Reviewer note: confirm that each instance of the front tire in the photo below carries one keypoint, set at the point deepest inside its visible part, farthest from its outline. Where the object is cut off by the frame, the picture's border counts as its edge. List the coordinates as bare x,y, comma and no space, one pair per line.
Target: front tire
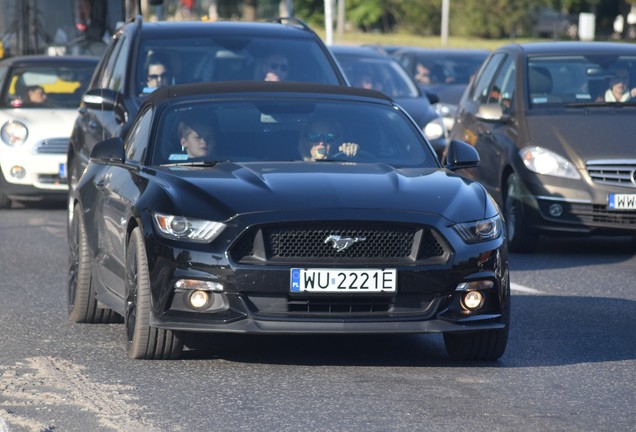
81,299
487,345
144,341
521,238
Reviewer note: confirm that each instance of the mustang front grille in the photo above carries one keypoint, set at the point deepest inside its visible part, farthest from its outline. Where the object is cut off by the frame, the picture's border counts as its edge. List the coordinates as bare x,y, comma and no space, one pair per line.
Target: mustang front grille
613,172
341,243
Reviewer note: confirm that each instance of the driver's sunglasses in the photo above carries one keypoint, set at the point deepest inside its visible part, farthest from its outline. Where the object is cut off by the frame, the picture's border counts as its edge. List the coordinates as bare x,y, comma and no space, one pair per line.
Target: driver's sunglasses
276,66
316,137
163,76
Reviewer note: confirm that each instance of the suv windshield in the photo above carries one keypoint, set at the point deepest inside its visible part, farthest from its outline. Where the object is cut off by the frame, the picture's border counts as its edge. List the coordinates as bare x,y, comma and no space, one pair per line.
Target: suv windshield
190,60
578,79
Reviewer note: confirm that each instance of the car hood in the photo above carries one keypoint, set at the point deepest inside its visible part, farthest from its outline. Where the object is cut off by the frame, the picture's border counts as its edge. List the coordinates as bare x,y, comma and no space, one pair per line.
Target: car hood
447,93
600,133
288,186
41,122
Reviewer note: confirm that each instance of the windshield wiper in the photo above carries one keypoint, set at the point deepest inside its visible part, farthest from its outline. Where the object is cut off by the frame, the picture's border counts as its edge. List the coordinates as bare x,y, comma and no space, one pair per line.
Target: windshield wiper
601,104
204,163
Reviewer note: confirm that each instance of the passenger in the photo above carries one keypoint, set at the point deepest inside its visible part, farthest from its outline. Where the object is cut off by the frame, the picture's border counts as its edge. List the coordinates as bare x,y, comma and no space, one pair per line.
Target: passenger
619,90
317,139
422,74
35,95
196,138
275,68
157,74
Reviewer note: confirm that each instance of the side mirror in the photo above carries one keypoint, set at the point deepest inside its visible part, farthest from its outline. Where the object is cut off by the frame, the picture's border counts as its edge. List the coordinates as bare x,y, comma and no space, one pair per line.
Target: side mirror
491,112
460,155
101,99
108,151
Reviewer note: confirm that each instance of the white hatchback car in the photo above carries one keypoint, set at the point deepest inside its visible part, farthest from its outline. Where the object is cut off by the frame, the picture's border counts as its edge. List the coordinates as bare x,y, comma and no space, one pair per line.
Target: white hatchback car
39,99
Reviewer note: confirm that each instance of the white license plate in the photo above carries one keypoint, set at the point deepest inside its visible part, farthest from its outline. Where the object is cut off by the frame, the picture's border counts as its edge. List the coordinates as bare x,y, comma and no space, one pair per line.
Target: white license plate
349,281
622,201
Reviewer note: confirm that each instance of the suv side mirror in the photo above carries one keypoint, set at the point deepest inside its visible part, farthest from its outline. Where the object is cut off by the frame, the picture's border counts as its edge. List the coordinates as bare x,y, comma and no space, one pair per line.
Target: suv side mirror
100,99
108,151
460,155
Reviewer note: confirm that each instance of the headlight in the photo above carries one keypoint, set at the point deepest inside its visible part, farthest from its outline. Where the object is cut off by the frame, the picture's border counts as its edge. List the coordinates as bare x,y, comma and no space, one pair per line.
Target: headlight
544,161
14,133
189,229
434,129
479,231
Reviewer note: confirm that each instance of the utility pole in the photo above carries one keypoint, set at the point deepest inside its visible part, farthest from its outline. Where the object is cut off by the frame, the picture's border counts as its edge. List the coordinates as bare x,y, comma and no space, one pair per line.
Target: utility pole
445,13
328,22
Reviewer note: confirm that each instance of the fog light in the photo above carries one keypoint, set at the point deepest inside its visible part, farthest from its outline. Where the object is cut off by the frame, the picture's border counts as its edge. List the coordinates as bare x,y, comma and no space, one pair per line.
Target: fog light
199,299
17,172
473,300
555,210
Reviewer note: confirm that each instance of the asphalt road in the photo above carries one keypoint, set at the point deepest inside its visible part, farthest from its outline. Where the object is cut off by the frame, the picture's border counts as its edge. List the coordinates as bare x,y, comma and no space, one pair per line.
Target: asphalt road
570,363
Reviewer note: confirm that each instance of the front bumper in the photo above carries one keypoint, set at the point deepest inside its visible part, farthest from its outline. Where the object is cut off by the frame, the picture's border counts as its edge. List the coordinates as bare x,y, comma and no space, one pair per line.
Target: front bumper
41,168
257,299
576,206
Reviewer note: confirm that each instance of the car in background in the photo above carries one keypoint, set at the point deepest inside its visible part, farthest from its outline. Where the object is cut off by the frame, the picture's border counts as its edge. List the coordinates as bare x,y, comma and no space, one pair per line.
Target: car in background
557,152
366,68
445,72
34,131
553,24
194,51
256,238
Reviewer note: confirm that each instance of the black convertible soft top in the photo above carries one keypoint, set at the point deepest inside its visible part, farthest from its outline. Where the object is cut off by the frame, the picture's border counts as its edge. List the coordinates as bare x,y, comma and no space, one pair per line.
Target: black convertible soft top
198,89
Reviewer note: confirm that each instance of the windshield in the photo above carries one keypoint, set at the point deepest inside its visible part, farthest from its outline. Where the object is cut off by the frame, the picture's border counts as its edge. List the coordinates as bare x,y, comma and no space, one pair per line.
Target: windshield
47,85
577,79
235,58
378,74
289,130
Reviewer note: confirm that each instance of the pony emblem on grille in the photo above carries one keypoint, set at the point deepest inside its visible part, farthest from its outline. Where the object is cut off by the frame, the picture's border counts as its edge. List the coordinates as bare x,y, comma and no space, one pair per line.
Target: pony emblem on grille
341,243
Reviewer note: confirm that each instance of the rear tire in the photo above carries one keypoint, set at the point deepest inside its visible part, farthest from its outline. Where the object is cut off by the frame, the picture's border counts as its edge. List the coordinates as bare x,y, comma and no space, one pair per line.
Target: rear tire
81,299
144,341
521,238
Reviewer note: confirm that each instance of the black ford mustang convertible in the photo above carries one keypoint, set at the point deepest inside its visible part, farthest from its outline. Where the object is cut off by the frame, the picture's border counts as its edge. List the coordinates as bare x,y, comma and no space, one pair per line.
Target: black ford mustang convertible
282,208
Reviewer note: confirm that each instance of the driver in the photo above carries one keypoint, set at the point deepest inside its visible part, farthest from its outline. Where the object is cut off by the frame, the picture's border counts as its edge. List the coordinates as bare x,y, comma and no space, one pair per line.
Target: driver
317,139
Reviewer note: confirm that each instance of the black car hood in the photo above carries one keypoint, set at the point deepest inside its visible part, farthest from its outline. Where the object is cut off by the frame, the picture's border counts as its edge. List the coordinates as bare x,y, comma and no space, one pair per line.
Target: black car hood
447,93
235,188
600,133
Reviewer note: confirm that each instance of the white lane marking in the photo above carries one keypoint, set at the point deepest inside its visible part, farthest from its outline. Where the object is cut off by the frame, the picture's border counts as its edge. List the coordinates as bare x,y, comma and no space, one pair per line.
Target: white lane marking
524,289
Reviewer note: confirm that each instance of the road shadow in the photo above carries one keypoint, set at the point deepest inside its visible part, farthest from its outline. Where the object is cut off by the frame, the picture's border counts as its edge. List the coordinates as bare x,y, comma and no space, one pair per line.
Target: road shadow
545,331
569,252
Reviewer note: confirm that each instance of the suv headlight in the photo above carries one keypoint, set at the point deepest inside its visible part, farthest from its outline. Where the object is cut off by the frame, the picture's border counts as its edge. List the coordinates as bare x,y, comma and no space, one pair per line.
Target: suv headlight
14,133
546,162
184,228
434,129
479,231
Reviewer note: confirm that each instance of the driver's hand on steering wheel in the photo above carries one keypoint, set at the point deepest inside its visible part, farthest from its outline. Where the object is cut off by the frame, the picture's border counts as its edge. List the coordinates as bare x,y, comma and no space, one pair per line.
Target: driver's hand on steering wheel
349,149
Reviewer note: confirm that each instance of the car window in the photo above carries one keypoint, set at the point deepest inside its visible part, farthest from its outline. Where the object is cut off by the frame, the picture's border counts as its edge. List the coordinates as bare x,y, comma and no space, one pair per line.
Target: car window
273,130
191,60
480,91
117,79
55,85
109,62
502,89
137,140
554,81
